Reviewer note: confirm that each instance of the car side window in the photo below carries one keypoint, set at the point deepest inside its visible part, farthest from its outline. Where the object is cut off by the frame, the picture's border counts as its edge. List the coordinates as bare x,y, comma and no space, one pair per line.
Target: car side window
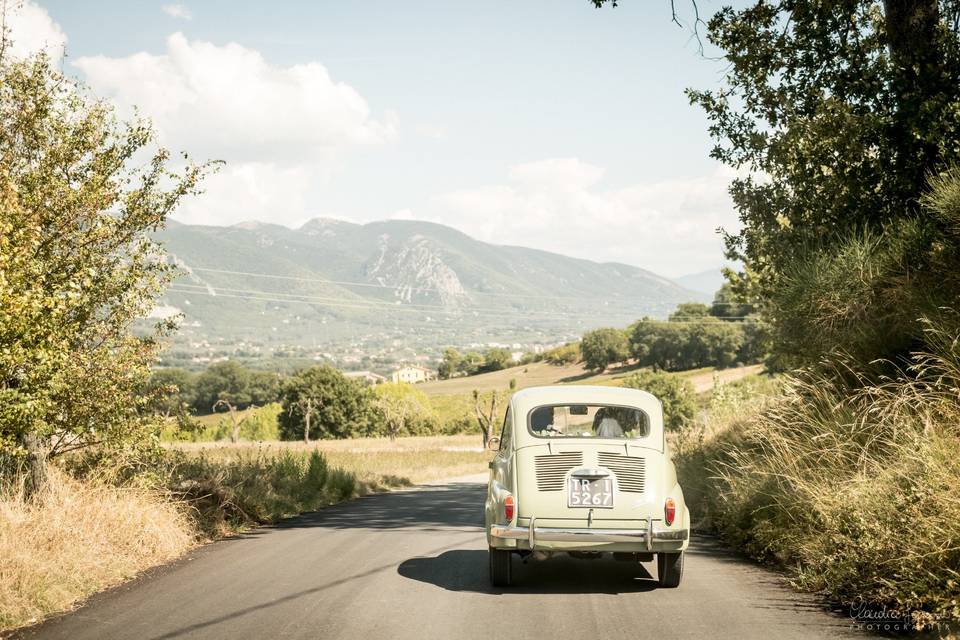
506,432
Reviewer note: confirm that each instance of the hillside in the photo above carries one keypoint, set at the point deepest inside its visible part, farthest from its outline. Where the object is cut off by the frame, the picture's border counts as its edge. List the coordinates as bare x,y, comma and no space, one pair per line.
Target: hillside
363,295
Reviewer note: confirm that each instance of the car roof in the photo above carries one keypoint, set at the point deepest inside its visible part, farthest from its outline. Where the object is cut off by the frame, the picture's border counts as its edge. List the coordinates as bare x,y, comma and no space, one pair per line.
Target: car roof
585,394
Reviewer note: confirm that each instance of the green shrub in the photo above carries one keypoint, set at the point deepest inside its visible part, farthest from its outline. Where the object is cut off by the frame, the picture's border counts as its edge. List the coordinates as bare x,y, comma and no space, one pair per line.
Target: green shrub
849,481
567,354
675,394
256,488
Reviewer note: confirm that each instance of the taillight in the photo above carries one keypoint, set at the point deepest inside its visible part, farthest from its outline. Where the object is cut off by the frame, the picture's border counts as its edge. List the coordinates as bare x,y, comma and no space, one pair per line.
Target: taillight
669,511
509,507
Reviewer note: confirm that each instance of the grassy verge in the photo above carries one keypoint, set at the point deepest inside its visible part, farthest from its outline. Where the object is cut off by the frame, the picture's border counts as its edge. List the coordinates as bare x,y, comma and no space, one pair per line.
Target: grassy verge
850,485
82,536
79,538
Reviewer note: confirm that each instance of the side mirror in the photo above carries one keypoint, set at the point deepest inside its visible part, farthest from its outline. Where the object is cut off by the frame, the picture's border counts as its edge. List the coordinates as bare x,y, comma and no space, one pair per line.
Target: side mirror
493,444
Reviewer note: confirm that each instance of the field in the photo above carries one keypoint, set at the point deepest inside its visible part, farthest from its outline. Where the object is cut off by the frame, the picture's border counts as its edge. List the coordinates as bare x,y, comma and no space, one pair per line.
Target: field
403,461
453,399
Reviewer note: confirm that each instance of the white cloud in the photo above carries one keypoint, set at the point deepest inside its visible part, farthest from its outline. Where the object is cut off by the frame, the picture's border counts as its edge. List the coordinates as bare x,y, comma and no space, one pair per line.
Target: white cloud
282,130
253,191
177,11
558,204
227,102
33,30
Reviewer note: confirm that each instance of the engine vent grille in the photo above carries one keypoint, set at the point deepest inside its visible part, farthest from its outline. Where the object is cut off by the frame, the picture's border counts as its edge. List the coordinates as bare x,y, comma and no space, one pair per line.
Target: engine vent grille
629,470
552,469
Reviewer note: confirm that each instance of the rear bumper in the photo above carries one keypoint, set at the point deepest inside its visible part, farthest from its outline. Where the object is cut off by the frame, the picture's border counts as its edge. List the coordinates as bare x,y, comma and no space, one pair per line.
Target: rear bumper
532,537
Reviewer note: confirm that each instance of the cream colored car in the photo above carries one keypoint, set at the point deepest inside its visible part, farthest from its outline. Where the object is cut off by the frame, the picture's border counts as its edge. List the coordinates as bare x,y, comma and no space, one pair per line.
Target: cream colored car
585,470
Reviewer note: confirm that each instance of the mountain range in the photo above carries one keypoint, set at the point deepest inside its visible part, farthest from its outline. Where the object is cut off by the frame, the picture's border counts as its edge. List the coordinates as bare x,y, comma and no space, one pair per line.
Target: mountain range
338,287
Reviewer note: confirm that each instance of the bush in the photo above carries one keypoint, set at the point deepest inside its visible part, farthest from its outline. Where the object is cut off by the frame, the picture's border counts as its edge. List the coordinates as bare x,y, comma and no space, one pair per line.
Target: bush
338,406
675,394
567,354
256,488
603,347
850,481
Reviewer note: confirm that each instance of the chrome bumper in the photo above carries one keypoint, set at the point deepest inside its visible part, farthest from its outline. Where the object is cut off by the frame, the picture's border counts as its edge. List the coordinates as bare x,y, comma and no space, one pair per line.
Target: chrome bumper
534,534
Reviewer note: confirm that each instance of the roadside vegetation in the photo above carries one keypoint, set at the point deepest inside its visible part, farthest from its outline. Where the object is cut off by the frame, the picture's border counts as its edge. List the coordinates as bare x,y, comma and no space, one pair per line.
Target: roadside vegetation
842,120
88,495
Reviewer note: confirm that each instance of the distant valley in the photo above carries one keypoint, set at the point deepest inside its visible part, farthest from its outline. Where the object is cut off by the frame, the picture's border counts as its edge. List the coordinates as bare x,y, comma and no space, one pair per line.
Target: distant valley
365,296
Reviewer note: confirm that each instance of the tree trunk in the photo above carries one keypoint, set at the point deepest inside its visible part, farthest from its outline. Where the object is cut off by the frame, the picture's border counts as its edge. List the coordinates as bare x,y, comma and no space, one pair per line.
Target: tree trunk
306,421
920,81
36,464
235,432
911,29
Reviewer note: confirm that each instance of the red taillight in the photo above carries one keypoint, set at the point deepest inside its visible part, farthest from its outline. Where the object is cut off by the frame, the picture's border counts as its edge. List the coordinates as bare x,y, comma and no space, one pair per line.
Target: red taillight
669,511
508,507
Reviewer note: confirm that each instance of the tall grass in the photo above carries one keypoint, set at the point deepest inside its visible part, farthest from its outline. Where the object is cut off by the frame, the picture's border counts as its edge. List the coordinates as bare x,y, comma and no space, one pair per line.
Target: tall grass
78,538
852,483
257,486
97,524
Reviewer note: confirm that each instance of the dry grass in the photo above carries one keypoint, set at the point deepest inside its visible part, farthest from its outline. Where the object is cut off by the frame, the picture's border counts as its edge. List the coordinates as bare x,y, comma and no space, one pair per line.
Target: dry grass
416,459
849,482
78,539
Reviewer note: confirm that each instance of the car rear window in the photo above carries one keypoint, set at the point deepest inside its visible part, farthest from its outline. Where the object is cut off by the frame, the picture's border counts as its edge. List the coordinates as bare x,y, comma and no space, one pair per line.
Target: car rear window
588,421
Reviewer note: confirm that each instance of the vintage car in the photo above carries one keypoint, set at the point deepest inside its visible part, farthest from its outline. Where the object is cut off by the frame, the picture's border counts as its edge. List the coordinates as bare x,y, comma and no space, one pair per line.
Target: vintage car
585,470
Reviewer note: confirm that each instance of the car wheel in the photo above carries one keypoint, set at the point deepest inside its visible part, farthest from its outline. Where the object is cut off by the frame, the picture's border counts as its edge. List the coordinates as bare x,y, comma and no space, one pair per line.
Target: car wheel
501,574
670,569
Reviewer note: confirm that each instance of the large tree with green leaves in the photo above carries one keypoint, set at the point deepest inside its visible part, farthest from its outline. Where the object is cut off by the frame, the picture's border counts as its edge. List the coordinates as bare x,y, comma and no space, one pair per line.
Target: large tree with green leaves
80,195
603,347
837,113
338,407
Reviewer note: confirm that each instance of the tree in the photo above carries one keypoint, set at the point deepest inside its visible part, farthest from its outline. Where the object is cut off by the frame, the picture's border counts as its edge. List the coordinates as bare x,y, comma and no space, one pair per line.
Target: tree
689,311
471,363
171,390
334,405
836,114
728,305
236,421
485,409
80,196
496,359
675,394
603,347
567,354
228,380
450,364
404,409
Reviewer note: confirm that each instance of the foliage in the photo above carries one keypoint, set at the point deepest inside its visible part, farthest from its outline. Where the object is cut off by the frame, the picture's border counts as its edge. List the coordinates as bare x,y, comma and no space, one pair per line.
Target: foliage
259,488
827,478
404,410
603,347
496,359
674,393
566,354
689,312
449,364
836,114
729,305
471,363
78,202
343,408
236,384
676,346
865,293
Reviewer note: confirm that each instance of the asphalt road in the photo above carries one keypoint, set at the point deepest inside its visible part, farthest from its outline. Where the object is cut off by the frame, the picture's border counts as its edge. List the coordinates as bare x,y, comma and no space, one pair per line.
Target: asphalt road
413,564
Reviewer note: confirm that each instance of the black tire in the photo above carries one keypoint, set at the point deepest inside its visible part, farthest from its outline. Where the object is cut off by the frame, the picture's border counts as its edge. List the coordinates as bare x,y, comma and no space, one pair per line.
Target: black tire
670,569
501,573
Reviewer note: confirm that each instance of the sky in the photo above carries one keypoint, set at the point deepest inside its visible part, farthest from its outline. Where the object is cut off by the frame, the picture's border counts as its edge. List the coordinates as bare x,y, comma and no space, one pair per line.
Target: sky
545,123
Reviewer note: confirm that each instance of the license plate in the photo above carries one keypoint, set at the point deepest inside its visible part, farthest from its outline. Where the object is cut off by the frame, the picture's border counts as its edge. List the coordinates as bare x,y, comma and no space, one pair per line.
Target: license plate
593,493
